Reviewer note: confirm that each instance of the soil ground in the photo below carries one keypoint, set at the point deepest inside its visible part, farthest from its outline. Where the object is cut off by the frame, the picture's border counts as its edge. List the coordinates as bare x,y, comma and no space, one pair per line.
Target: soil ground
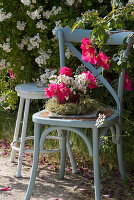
49,187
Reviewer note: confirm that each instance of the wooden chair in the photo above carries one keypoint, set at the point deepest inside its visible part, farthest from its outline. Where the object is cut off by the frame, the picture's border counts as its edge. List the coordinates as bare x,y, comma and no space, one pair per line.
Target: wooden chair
112,122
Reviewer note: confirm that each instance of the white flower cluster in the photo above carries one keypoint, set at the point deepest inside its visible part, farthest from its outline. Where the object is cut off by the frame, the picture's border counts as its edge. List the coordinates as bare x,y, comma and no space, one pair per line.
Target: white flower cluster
41,25
47,14
31,43
69,81
81,68
3,64
100,120
81,83
58,25
70,2
24,42
3,15
76,83
47,75
21,25
41,60
100,1
34,42
2,98
22,67
6,46
68,53
26,2
45,78
35,14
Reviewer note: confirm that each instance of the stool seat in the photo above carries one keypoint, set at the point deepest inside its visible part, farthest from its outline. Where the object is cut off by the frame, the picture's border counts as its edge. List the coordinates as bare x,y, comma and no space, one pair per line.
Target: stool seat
31,91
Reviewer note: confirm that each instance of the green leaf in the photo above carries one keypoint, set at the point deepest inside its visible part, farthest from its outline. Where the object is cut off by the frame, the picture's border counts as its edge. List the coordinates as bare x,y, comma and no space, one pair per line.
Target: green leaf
75,25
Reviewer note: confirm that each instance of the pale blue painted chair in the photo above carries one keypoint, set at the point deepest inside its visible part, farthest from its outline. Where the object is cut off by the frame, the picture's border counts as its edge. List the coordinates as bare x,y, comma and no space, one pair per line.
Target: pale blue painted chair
113,122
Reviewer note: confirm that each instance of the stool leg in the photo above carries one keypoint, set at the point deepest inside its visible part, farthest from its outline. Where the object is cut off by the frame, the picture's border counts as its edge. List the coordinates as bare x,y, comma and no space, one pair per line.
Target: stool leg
37,132
70,154
17,127
63,153
23,134
96,164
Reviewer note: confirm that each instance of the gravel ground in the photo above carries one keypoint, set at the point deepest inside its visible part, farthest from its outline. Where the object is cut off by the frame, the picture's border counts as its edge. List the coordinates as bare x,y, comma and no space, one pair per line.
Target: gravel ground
47,186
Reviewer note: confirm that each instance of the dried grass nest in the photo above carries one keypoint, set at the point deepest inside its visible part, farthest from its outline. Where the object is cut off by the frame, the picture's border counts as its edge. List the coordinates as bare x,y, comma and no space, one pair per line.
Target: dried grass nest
83,107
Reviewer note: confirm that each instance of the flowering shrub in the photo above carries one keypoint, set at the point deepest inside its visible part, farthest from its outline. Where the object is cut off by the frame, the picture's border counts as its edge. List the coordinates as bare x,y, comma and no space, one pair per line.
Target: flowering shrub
28,44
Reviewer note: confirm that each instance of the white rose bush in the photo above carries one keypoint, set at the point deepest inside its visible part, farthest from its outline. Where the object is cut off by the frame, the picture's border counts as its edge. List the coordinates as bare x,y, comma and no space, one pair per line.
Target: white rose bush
28,43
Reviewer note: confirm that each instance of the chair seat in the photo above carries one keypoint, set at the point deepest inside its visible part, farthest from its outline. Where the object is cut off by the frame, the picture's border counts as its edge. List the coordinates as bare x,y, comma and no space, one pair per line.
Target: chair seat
30,91
42,117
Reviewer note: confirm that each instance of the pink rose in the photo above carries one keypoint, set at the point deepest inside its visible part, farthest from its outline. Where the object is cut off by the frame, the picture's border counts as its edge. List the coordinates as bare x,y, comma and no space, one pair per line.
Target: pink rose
11,75
102,60
63,91
65,70
52,90
85,44
90,78
89,55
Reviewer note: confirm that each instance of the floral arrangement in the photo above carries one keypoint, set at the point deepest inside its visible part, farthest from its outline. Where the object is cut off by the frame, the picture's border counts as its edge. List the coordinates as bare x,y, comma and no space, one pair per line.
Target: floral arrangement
69,92
65,84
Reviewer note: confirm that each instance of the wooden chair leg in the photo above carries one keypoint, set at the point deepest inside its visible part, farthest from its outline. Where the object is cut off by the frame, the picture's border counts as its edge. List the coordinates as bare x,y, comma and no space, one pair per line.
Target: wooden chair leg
70,154
63,153
120,150
37,132
96,164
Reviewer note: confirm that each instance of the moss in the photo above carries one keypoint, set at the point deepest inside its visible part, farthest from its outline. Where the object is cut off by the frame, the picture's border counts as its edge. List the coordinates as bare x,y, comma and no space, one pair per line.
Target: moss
84,106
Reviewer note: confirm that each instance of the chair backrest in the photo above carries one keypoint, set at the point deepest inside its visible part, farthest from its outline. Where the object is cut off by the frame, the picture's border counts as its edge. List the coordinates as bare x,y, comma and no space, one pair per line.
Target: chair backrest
67,37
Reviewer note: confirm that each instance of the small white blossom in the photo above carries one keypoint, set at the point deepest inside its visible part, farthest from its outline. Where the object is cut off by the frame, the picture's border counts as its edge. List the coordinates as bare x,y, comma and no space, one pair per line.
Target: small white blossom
100,1
41,59
33,1
34,42
48,75
21,25
47,14
34,15
58,25
70,2
6,47
41,25
3,15
3,64
22,67
68,53
26,2
8,40
2,98
100,120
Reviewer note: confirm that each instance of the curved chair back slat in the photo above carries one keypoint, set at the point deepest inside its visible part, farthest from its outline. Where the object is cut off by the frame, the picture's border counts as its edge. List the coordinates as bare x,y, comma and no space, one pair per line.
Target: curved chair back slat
66,37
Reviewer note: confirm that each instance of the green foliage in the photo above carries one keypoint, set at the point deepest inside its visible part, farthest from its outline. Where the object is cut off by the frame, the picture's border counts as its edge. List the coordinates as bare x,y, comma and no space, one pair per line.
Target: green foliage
118,19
